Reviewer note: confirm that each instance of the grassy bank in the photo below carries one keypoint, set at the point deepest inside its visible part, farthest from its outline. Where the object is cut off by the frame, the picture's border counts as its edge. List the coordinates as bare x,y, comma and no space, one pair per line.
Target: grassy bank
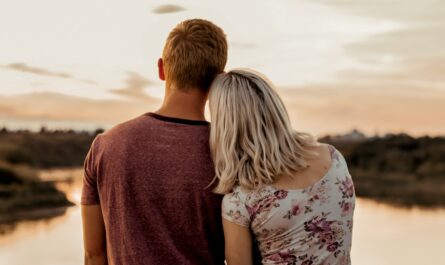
22,154
45,149
23,195
397,169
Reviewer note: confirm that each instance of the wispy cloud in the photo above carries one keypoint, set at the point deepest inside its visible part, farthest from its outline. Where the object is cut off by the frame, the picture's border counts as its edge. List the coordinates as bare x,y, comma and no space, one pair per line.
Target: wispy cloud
318,109
22,67
165,9
25,68
334,108
51,106
134,87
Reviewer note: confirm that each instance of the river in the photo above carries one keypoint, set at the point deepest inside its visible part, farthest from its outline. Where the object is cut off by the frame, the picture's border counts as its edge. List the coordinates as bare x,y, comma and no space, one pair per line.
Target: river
383,235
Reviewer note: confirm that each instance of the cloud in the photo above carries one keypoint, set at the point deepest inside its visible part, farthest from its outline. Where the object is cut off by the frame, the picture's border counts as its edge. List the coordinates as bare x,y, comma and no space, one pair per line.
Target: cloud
51,106
404,57
338,108
318,108
165,9
134,87
24,68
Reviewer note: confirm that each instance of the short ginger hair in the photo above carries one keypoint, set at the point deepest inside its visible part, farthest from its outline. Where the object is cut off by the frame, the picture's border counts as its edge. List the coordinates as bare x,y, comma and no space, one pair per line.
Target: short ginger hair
194,53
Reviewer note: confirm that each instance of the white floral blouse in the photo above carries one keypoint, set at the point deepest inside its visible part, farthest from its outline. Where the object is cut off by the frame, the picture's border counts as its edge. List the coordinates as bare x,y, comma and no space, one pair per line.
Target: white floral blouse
305,226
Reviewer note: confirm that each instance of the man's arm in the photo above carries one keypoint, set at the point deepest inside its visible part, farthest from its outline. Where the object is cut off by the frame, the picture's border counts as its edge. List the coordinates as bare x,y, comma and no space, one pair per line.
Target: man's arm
94,235
238,244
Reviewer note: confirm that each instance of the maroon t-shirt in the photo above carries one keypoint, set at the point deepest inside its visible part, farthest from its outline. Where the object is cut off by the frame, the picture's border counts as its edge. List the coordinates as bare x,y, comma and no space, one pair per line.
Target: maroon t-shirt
150,177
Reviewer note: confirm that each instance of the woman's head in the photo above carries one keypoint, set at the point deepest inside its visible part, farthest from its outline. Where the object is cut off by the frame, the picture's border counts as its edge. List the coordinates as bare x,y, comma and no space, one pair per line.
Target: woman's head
252,141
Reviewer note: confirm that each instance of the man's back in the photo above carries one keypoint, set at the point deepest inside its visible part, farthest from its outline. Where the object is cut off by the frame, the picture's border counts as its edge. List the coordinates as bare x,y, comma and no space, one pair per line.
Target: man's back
150,176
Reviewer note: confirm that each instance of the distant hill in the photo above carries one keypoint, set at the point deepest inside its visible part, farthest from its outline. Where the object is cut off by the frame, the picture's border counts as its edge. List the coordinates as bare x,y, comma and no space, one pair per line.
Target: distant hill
21,192
397,169
22,153
45,149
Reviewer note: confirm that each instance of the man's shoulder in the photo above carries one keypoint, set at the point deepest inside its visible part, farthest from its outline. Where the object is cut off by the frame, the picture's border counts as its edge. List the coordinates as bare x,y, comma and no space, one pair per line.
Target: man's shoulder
125,131
131,126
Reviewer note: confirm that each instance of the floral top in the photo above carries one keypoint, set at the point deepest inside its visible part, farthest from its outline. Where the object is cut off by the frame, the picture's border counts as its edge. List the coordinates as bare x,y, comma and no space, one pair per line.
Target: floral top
305,226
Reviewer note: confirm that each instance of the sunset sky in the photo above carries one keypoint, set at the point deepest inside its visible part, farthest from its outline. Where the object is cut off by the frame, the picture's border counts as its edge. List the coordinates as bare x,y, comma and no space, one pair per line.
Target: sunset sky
378,66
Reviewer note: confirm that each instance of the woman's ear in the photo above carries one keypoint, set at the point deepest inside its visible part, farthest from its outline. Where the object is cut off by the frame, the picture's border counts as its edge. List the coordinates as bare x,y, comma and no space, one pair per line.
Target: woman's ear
161,69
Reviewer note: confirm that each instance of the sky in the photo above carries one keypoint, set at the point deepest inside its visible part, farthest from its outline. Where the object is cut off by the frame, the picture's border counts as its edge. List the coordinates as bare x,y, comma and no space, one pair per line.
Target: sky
377,66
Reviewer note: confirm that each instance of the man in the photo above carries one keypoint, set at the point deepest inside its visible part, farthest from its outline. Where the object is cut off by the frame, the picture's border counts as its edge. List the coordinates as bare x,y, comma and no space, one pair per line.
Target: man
146,197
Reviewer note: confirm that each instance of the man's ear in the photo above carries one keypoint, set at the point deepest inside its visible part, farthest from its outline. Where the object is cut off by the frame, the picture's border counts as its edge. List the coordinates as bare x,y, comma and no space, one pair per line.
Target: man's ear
161,69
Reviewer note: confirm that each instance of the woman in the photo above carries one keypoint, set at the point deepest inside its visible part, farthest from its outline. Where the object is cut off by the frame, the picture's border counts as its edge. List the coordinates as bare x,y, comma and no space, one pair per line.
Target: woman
292,193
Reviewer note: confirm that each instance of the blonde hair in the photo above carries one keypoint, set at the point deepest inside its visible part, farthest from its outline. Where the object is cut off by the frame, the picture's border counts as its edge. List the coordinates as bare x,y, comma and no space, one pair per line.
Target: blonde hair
194,53
251,139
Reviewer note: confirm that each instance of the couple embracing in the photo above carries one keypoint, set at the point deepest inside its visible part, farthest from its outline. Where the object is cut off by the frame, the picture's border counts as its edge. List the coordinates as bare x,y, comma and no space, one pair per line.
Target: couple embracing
168,187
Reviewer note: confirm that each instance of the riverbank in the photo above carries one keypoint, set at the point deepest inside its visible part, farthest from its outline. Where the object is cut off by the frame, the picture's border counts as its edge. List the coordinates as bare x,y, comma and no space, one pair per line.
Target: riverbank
23,196
397,169
378,228
8,222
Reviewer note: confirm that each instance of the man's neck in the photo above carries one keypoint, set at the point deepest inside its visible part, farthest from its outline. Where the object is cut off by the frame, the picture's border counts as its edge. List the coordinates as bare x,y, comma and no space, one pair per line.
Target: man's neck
181,104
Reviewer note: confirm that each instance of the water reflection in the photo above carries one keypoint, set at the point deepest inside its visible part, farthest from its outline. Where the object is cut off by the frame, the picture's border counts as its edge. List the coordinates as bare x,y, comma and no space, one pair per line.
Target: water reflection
53,241
68,181
383,235
58,242
45,216
387,235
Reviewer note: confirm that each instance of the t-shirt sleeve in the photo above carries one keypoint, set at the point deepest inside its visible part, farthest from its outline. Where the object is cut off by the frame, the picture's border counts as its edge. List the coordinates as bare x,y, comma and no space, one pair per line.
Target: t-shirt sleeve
234,208
90,192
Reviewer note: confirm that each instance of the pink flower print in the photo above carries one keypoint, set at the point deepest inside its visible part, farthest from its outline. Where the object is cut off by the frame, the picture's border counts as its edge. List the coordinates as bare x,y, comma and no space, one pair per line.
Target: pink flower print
296,208
262,205
236,215
344,260
317,225
252,210
282,257
346,208
308,262
327,238
347,188
274,257
280,194
333,247
287,257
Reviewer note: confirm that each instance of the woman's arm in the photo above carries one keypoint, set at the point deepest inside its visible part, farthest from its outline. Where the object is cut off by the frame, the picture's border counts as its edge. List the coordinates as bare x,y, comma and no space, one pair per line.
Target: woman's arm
94,235
238,243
